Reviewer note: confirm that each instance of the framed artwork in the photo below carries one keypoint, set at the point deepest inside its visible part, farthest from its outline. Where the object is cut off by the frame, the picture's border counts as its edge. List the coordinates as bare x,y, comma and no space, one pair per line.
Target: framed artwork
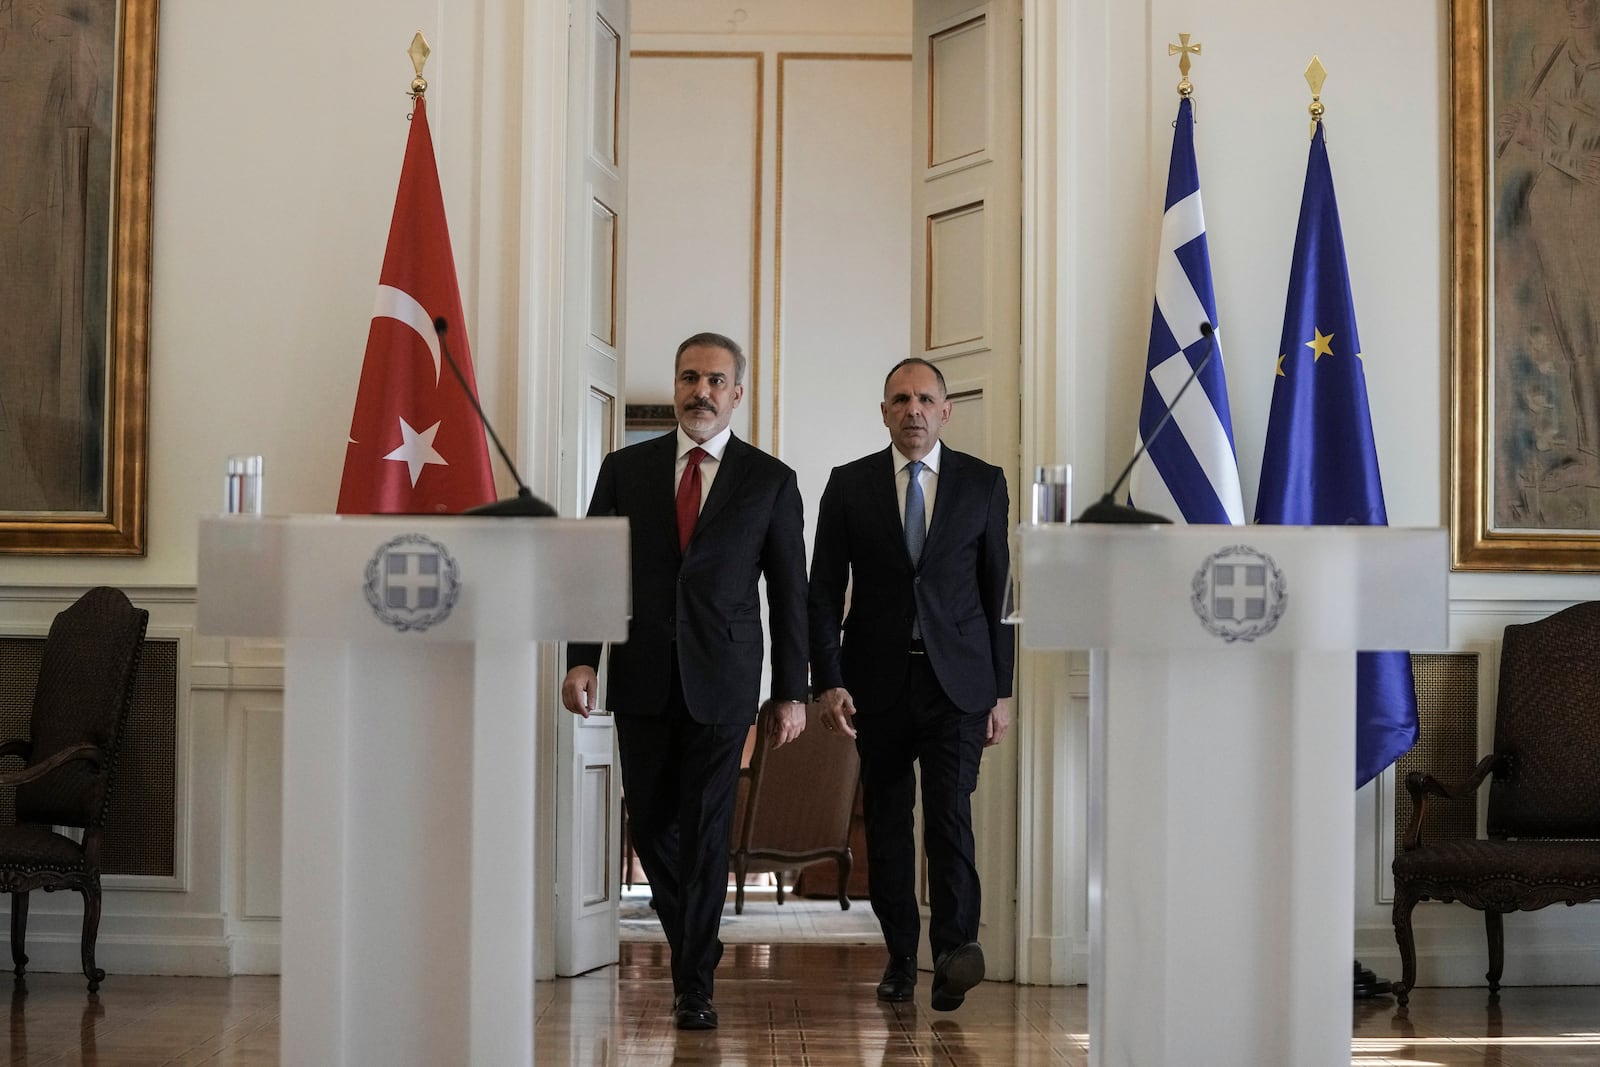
79,93
1525,229
644,421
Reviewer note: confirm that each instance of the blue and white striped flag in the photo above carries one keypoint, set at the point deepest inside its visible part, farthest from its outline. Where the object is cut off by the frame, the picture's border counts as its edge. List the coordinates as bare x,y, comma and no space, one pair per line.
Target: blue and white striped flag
1190,472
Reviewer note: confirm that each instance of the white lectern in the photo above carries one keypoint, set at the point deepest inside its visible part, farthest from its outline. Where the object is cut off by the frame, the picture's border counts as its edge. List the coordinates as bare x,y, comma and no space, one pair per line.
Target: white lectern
410,683
1222,770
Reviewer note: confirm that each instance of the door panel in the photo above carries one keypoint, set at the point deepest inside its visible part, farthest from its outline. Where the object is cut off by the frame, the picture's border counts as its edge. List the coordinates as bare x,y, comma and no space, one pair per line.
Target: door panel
588,813
966,316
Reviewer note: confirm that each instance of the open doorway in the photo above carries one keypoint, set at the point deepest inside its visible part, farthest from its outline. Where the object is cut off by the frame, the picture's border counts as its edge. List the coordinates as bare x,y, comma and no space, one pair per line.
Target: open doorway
837,186
770,154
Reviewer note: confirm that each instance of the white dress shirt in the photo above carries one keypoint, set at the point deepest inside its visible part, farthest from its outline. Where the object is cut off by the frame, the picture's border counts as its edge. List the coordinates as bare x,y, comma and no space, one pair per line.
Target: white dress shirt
928,479
708,466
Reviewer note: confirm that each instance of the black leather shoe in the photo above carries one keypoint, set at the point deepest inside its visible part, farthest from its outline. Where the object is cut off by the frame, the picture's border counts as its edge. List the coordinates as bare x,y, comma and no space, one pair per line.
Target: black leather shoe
954,973
693,1011
899,979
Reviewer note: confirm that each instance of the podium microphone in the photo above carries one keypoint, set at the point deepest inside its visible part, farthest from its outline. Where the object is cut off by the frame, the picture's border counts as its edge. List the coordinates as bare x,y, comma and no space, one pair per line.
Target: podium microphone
524,503
1106,509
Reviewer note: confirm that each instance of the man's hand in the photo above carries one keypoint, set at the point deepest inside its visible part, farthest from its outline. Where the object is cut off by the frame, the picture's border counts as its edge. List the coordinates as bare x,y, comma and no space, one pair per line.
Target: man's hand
837,711
580,691
786,720
999,721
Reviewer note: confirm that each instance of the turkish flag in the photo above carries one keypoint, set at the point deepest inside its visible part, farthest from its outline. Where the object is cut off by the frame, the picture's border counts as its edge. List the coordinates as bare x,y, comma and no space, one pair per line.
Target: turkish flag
416,445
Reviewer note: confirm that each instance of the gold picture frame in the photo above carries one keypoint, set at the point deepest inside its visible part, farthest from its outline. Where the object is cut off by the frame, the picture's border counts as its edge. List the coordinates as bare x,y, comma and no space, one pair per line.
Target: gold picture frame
110,313
1525,392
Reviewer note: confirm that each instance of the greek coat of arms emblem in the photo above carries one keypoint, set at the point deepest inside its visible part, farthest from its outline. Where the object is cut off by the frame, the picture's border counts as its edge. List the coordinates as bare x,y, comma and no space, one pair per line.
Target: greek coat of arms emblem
1239,593
412,582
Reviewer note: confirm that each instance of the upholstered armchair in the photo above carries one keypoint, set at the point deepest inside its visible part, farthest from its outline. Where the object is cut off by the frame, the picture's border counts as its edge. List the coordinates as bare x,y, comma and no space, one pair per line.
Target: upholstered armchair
80,706
1543,844
793,807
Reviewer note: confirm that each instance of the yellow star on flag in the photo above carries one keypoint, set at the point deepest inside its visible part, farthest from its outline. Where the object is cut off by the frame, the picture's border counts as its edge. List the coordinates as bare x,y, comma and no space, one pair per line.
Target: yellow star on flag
1319,344
1280,366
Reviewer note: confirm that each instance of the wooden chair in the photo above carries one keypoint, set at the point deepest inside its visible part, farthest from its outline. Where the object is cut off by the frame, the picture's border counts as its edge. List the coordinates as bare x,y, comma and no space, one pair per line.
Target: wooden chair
1544,794
80,706
793,807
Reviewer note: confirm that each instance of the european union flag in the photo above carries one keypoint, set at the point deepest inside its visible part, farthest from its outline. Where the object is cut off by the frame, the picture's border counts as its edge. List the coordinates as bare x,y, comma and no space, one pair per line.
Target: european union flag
1320,466
1190,468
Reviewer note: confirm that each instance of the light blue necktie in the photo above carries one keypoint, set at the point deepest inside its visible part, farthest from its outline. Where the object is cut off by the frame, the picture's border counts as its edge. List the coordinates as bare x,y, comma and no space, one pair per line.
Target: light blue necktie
916,514
916,525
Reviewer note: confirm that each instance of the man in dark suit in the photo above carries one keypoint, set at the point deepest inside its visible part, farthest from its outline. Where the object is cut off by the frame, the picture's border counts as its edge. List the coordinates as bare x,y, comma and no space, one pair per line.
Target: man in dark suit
923,674
708,516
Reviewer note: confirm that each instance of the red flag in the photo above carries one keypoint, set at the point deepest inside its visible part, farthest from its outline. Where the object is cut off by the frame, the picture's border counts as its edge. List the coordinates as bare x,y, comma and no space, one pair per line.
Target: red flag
416,445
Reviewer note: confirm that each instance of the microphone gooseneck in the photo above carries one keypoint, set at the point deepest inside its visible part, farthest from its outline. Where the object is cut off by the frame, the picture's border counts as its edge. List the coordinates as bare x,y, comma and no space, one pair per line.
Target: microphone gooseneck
1106,509
524,503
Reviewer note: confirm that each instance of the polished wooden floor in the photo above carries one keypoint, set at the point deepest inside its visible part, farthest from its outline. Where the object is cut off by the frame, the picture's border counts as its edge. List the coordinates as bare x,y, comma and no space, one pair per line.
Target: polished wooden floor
780,1004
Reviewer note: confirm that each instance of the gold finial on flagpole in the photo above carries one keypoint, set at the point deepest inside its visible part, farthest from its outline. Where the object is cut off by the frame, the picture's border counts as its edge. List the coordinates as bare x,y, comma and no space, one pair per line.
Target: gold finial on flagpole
419,53
1183,49
1316,74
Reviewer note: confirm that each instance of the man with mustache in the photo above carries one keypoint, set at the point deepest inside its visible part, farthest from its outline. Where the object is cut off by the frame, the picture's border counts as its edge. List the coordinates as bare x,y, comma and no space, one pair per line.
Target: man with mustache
708,516
923,674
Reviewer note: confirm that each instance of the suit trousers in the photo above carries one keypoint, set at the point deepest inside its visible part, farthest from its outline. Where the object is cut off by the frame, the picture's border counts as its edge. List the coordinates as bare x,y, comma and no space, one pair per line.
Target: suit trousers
921,726
680,778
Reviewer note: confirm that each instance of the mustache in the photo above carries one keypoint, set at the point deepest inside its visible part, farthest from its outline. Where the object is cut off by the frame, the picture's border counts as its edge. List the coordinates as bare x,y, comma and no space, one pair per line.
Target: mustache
700,405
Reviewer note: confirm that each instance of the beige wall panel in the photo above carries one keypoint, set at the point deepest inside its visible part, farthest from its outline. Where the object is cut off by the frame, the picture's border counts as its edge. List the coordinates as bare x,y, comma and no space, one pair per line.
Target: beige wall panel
844,256
694,125
752,17
959,60
601,407
262,849
603,102
603,274
958,279
968,429
599,877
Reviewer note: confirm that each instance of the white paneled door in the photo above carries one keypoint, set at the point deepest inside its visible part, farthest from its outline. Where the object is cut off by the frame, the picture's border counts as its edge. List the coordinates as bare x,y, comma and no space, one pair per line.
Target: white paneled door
588,813
966,180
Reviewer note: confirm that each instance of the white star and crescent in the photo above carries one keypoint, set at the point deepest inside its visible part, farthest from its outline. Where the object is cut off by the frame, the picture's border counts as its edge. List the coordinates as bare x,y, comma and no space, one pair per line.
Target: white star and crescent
398,304
401,306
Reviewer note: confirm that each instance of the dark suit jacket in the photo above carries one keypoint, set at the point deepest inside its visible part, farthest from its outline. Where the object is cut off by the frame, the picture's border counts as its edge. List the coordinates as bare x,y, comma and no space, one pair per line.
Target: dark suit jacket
959,585
703,604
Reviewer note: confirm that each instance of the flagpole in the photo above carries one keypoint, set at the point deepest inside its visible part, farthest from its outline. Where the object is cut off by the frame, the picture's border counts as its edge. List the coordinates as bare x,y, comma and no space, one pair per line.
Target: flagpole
1366,983
1191,470
417,443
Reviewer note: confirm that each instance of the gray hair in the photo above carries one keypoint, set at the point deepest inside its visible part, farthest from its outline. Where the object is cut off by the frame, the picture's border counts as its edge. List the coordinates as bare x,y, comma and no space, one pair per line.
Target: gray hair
708,339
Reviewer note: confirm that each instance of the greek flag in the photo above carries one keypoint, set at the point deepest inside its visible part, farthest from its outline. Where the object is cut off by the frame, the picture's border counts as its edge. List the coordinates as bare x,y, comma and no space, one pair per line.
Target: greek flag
1321,464
1189,472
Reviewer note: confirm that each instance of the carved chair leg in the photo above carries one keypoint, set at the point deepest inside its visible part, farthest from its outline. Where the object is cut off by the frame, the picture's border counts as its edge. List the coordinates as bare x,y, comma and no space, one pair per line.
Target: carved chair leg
91,930
1406,941
846,862
19,931
1492,922
739,866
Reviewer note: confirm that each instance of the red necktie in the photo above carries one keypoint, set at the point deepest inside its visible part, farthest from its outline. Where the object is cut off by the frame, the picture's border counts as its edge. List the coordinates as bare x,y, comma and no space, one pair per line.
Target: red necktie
689,497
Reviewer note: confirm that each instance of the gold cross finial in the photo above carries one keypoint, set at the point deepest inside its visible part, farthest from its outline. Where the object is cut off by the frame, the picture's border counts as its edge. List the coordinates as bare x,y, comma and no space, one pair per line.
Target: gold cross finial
1316,74
419,53
1183,50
